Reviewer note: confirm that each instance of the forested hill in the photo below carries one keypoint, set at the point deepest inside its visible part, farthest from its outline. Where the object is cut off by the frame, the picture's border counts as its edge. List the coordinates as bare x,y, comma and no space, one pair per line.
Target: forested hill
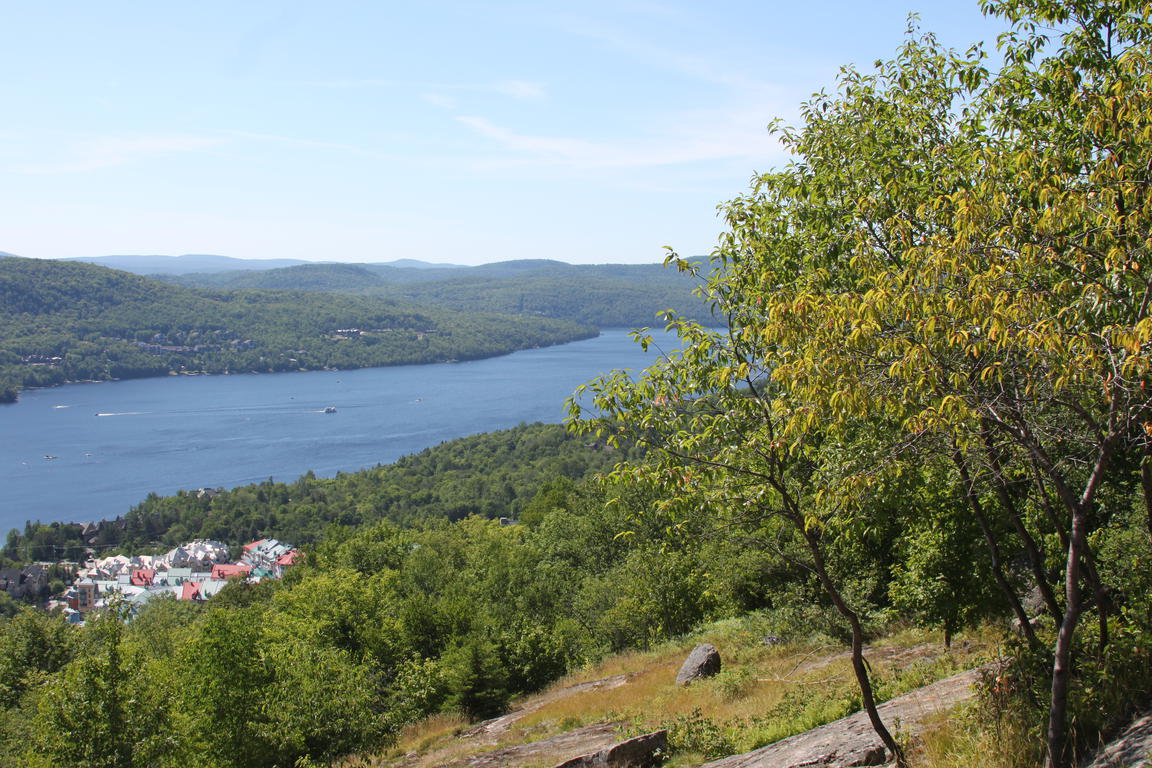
604,295
64,321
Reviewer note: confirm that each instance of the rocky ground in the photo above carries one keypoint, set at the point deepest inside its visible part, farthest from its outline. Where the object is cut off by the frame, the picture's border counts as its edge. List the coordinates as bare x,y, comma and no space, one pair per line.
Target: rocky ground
1131,749
851,741
846,742
478,747
583,722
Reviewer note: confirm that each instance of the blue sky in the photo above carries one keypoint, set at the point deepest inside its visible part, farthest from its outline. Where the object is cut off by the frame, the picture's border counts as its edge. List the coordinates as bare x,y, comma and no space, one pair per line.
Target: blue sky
461,132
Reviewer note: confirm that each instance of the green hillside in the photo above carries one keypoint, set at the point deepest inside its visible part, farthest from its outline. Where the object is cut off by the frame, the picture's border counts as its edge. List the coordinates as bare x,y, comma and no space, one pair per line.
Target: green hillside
604,295
336,278
73,321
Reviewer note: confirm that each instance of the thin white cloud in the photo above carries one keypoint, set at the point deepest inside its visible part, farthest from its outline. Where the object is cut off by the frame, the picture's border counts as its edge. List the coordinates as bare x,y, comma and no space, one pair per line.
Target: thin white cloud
439,100
296,141
524,90
658,57
704,141
93,154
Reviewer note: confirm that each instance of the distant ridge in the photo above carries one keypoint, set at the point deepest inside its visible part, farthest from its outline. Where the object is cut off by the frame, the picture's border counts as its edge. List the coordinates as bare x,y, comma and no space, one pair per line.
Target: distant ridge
183,264
600,295
417,264
204,263
65,321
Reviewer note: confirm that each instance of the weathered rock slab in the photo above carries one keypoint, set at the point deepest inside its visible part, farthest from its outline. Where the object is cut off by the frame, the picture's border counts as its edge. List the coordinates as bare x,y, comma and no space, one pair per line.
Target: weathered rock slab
638,752
571,743
851,742
704,661
491,730
1131,749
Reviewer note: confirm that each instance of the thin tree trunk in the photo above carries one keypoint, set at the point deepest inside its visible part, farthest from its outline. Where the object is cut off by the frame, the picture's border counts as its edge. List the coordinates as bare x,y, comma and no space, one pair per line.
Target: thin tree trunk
1035,553
1091,574
993,550
859,665
1057,737
1058,753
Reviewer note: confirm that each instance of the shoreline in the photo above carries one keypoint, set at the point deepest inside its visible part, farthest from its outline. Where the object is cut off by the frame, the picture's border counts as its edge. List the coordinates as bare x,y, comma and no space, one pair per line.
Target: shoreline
596,333
240,430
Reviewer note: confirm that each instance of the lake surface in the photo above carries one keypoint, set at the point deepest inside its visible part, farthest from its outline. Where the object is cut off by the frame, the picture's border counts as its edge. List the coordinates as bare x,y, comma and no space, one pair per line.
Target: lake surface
113,443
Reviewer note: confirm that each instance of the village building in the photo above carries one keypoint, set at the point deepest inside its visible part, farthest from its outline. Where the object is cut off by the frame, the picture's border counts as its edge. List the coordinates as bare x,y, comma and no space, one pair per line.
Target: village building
193,571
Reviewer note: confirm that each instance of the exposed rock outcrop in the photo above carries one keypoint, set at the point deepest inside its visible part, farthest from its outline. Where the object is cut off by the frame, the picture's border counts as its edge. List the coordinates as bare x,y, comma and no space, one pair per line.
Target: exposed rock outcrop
490,730
704,661
638,752
851,742
571,743
1131,749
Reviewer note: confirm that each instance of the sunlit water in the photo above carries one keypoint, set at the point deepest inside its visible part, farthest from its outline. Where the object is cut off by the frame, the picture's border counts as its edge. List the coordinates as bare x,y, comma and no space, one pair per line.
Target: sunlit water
113,443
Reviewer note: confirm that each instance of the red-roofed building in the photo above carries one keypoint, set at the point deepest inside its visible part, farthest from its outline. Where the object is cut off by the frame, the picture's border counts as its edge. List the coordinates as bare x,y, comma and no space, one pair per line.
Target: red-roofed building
191,591
253,545
143,577
288,558
225,571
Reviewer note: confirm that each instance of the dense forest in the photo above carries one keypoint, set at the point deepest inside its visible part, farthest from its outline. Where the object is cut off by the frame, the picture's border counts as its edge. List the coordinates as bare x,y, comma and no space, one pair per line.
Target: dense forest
606,295
930,404
403,608
65,321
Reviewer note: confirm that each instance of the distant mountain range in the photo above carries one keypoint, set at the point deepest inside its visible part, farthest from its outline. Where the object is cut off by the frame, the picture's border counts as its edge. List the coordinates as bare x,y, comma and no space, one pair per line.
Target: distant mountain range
190,263
67,321
603,295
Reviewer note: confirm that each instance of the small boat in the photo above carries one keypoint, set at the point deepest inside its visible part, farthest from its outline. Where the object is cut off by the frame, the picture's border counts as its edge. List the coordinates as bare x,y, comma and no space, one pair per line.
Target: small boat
330,409
49,457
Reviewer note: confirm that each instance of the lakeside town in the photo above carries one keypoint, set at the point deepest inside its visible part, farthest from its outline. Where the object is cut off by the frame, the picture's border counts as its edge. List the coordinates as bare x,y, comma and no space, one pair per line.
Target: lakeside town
193,571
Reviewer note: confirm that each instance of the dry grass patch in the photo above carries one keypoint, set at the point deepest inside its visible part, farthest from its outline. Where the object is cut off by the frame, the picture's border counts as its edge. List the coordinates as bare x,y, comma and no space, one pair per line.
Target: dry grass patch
419,735
766,691
435,733
958,740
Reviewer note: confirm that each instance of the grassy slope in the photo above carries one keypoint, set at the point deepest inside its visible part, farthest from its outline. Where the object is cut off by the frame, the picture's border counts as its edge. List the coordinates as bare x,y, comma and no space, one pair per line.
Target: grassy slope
765,693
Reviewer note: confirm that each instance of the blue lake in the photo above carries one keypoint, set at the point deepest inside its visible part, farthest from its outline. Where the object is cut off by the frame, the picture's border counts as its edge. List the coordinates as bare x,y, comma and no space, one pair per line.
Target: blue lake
113,443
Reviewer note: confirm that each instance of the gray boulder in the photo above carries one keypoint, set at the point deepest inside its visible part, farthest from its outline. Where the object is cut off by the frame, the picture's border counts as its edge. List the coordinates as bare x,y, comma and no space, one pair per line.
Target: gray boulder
704,661
638,752
1033,602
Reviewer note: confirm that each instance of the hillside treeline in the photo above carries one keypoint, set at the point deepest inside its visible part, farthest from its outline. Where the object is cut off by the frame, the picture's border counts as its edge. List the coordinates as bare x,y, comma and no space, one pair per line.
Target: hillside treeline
403,608
413,611
604,295
66,321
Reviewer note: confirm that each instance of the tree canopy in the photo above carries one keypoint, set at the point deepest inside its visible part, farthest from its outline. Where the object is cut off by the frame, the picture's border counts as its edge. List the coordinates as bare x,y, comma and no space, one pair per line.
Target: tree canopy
950,275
